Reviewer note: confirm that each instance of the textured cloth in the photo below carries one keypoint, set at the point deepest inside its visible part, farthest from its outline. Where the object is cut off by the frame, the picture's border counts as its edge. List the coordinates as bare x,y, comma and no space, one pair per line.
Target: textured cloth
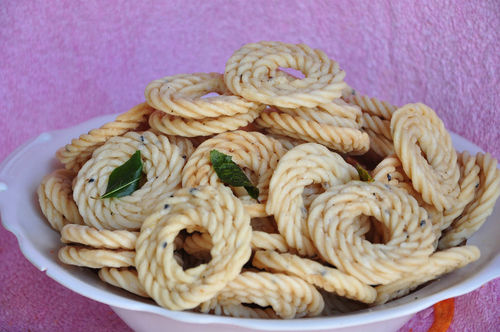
63,64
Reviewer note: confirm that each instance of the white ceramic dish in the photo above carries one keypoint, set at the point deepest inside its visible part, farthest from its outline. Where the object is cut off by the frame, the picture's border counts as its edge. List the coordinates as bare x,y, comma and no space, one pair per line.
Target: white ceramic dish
23,170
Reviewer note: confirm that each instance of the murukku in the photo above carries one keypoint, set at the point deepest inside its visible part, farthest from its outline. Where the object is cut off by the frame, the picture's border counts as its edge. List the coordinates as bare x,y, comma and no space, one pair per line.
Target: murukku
174,125
98,238
124,278
476,212
426,152
372,106
95,258
439,263
331,229
74,155
341,139
469,178
289,297
181,95
252,72
211,209
330,279
201,243
300,167
252,151
55,197
163,163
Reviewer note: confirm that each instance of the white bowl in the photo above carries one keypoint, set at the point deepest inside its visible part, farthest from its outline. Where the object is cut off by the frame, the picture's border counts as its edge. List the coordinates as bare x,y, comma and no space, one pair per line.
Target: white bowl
22,171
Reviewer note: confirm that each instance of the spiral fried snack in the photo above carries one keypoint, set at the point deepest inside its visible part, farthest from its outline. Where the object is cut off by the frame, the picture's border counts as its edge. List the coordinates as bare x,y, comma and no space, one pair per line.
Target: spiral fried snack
163,164
212,209
125,278
252,72
332,230
96,258
476,212
56,199
251,150
372,106
336,113
469,178
173,125
439,263
180,95
201,243
98,238
434,176
330,279
74,155
302,166
290,297
346,140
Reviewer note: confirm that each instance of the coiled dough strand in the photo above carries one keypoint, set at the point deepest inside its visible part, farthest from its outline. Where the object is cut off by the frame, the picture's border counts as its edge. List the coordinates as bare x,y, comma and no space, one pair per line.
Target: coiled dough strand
334,234
300,167
99,238
163,165
416,128
96,258
469,178
74,155
55,197
439,263
251,150
252,72
180,95
125,278
475,213
330,279
173,125
373,106
346,140
290,297
212,209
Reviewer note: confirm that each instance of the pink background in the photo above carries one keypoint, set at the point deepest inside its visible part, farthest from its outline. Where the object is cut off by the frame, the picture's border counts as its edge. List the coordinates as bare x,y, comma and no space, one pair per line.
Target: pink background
65,63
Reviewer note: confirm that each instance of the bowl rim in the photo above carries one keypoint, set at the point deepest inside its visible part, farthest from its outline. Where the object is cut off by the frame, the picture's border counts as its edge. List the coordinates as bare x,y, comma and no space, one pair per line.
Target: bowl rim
488,272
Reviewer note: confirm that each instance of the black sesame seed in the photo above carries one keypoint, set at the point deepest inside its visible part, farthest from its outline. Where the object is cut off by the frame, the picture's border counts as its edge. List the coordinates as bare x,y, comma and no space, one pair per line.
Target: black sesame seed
477,185
166,206
142,138
422,223
193,190
91,180
389,177
184,156
164,244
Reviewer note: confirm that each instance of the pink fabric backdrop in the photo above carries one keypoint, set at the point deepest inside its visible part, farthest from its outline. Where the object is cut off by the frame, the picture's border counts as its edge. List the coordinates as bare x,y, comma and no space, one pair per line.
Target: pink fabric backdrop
64,63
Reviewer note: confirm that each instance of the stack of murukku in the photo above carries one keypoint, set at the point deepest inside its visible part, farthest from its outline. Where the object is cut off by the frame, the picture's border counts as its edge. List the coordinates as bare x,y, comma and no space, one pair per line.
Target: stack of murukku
342,202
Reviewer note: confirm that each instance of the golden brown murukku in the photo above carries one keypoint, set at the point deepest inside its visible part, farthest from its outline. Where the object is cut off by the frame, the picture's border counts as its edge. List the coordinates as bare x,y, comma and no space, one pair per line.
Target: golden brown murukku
181,95
300,167
331,229
425,149
55,197
74,155
250,150
163,163
212,209
289,297
253,73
